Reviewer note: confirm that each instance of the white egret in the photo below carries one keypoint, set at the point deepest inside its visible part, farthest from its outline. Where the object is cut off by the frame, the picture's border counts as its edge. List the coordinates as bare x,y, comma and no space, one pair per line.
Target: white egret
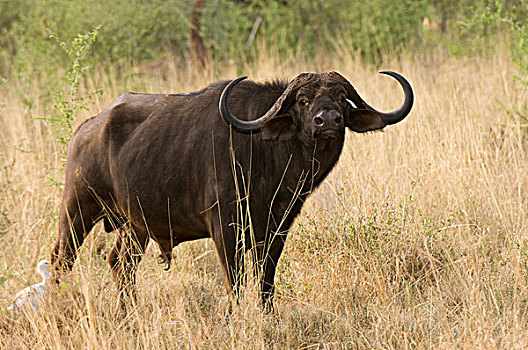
32,295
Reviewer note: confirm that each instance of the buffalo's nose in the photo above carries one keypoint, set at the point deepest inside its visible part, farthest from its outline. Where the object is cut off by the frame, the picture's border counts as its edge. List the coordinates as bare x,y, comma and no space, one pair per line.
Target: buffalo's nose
328,119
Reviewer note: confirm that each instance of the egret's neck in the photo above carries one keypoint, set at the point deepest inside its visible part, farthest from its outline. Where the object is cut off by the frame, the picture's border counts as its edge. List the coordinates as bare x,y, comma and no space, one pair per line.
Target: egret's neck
44,273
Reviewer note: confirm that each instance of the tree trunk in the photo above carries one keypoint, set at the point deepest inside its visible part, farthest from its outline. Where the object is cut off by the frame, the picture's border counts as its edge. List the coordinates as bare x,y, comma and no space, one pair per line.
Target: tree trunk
198,49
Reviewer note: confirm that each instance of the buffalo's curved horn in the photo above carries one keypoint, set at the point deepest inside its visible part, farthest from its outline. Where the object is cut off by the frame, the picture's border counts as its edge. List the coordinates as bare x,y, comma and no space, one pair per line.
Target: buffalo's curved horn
255,126
395,116
399,114
243,126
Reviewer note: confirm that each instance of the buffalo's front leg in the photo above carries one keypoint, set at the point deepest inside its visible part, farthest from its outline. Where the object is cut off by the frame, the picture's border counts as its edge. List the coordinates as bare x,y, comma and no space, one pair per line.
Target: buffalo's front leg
231,254
268,255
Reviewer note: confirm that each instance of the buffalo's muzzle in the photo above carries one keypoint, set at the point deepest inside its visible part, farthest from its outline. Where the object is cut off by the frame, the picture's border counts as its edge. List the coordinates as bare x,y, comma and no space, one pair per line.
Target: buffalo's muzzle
328,123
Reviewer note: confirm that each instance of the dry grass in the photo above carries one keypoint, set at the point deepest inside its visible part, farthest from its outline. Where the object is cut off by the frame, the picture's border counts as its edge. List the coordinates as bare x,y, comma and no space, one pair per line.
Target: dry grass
418,239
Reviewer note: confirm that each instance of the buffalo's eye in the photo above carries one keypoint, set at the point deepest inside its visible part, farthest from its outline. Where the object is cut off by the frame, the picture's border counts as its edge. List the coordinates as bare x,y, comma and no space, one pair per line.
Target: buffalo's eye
342,99
304,102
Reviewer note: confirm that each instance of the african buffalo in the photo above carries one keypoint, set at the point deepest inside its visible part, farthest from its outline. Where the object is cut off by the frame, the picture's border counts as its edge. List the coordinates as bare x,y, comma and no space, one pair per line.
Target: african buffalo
233,162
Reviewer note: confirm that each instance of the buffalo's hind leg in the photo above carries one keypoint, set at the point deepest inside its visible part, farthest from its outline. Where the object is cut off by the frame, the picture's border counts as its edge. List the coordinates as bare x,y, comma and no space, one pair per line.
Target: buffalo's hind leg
78,214
124,258
113,256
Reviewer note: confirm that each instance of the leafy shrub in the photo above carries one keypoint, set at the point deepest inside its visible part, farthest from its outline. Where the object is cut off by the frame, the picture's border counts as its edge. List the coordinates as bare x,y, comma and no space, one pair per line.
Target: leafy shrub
129,33
238,30
143,30
292,26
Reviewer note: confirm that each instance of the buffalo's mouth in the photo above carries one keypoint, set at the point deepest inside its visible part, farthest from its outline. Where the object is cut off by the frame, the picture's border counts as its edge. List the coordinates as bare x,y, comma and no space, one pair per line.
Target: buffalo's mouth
328,134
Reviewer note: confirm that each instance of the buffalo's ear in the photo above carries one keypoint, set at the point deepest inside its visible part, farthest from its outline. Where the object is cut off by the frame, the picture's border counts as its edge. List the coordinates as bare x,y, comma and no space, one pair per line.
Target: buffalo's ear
280,128
363,120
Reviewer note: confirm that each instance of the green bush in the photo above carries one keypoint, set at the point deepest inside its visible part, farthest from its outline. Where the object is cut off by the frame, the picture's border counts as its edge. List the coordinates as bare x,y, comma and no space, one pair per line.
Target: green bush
140,30
143,30
512,16
130,32
294,26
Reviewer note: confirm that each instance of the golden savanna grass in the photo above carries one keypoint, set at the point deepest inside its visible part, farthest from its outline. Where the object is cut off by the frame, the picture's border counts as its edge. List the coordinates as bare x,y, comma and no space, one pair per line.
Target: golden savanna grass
417,239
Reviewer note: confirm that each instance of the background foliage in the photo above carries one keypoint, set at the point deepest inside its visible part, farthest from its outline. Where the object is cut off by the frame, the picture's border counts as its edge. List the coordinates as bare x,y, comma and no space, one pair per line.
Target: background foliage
139,30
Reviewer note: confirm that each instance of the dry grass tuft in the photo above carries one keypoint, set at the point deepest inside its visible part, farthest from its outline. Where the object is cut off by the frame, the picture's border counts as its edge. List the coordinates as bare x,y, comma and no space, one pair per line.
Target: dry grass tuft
417,239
